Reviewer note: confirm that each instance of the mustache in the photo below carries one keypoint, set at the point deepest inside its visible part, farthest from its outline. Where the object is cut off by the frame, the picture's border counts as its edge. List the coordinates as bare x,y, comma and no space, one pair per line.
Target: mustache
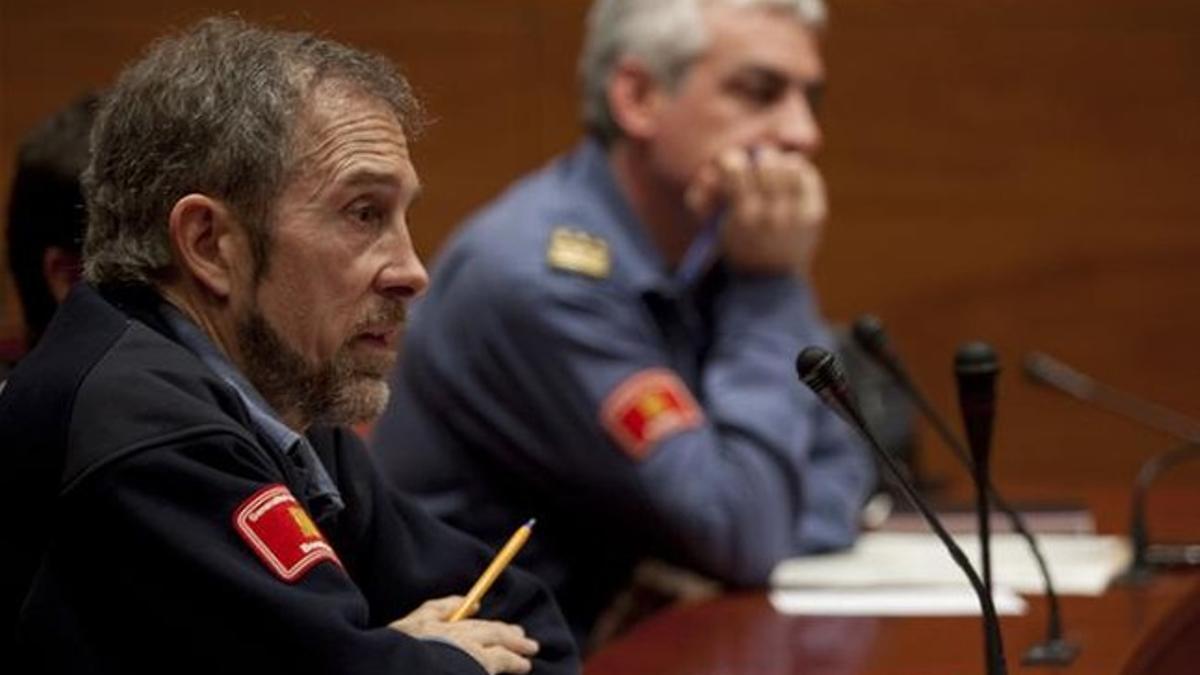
388,314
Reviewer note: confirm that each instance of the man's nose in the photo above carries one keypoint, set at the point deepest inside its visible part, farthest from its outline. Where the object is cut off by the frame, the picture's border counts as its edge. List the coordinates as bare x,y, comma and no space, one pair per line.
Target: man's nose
796,128
402,276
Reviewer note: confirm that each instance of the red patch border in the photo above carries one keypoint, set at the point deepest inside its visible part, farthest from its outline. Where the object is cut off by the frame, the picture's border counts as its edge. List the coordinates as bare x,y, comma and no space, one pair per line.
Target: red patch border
241,523
632,389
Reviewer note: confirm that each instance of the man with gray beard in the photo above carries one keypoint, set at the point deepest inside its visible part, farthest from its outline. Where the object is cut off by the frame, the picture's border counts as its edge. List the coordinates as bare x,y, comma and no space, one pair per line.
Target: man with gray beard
184,498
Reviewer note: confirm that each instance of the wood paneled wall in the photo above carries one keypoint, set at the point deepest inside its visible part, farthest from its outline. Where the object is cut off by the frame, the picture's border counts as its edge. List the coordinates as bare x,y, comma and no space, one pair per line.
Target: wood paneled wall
1016,170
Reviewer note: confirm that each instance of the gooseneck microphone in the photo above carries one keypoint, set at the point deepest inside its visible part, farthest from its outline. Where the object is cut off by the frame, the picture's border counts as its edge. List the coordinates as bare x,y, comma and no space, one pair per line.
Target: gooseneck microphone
1146,556
1046,370
975,370
869,333
819,370
872,339
1049,371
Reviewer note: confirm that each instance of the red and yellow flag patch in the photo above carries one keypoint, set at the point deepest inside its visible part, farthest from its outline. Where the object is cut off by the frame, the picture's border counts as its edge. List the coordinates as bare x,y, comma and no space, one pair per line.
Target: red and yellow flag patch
647,407
281,532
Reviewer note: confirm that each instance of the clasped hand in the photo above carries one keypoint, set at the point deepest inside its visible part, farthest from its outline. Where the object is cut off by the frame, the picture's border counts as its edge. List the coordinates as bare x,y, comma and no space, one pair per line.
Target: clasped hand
499,647
774,208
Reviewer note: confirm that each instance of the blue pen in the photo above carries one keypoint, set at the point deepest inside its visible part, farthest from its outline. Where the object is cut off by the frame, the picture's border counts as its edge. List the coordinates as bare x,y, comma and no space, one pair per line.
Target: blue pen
703,249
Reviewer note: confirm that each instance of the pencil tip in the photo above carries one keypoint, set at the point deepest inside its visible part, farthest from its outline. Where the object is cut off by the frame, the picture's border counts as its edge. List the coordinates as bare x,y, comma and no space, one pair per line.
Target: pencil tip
531,523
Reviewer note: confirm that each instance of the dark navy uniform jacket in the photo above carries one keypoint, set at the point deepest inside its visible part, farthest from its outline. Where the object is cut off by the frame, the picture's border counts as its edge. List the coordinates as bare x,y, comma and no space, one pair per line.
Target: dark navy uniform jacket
156,526
557,370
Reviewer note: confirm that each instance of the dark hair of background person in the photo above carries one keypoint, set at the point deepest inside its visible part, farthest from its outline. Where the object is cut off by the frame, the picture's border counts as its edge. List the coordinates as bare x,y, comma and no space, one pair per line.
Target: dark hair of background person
46,206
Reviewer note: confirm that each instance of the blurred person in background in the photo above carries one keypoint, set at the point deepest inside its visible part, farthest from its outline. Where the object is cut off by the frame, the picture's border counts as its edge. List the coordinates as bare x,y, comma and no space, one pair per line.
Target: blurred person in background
608,346
46,215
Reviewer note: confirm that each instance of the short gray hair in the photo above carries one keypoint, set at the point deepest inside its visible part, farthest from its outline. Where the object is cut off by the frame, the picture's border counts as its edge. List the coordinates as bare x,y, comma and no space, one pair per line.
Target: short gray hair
665,35
212,110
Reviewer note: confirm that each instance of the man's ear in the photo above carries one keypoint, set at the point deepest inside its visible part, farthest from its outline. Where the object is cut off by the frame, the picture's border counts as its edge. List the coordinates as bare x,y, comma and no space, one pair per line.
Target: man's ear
209,242
634,98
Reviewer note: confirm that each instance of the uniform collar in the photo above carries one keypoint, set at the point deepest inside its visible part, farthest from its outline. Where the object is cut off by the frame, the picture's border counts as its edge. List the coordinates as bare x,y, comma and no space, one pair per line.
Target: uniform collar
318,490
607,210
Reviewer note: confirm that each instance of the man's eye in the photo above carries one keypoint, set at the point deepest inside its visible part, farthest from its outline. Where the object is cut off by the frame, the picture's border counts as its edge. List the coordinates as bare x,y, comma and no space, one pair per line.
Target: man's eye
367,213
759,91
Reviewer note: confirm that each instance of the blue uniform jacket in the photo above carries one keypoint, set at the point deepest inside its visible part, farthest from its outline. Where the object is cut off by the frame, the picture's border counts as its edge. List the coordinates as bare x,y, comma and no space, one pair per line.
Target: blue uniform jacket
508,403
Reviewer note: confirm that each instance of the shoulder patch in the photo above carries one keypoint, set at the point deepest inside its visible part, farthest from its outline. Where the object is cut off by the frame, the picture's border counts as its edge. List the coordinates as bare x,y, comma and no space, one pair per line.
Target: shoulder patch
648,406
281,533
573,250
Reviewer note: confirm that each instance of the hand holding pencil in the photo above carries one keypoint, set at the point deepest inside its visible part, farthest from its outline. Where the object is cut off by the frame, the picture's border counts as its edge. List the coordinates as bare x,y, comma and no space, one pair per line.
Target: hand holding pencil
499,647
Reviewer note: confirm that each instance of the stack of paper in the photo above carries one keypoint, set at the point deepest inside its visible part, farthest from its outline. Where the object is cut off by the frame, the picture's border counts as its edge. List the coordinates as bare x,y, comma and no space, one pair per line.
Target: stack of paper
890,573
892,601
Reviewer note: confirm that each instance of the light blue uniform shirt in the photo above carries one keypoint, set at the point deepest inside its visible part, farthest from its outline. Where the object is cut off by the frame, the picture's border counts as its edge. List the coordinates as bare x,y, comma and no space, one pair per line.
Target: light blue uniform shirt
496,414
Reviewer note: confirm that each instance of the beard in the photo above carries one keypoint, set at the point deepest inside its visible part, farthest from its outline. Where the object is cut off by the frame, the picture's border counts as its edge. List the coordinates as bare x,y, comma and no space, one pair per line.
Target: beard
351,388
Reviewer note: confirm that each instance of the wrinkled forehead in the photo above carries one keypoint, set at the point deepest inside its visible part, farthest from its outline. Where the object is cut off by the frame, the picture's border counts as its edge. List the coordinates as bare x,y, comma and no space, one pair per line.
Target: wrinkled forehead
340,127
337,105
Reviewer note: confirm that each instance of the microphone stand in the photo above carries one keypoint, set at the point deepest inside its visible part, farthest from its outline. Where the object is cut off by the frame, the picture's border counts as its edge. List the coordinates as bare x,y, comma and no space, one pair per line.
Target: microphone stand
1141,567
1046,370
868,331
975,371
819,370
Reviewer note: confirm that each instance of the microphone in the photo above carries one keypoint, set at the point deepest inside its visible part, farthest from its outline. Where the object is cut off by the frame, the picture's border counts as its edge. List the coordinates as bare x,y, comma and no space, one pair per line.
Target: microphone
1049,371
819,370
871,336
868,334
975,370
1046,370
1147,556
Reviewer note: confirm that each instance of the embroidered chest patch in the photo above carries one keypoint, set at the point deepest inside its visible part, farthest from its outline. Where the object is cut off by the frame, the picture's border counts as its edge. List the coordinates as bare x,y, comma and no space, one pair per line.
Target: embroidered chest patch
647,407
281,533
573,250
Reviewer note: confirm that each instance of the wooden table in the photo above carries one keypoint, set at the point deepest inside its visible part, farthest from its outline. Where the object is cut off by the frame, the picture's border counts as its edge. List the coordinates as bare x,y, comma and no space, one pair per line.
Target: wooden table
741,633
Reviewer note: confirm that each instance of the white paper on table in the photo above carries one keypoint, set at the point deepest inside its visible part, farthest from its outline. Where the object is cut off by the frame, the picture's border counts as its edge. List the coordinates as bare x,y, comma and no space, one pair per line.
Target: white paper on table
892,601
1079,564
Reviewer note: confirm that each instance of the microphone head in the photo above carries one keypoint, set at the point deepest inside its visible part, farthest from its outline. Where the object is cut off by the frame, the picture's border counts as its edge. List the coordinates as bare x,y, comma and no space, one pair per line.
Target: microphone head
1042,368
818,368
1034,366
869,334
976,358
975,368
821,372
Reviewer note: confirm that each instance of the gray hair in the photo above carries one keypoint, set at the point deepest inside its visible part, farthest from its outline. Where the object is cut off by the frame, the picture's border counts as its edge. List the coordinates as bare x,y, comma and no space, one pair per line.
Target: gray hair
212,110
665,35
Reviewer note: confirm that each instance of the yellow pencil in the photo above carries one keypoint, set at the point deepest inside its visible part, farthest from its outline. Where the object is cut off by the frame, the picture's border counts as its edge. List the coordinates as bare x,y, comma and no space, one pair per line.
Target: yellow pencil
505,556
